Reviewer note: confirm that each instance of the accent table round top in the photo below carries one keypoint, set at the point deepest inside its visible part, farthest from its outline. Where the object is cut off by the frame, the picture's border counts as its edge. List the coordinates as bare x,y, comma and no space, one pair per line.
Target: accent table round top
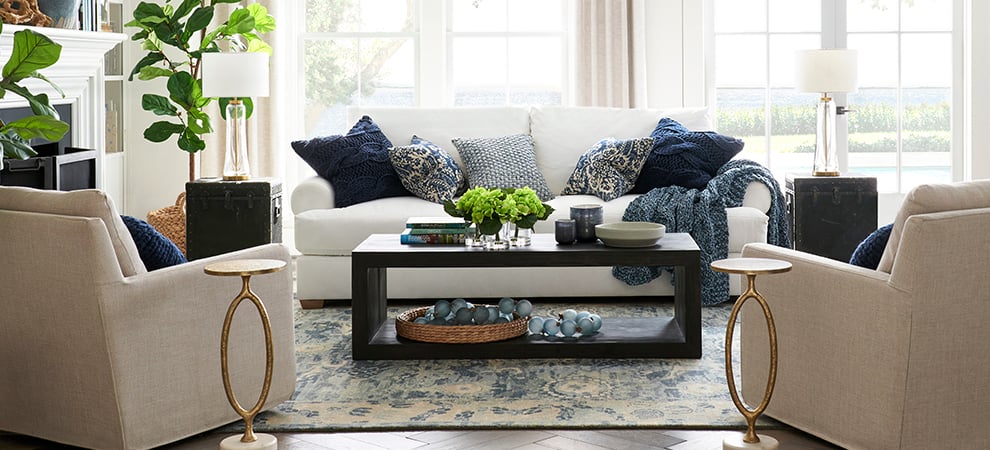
244,267
751,266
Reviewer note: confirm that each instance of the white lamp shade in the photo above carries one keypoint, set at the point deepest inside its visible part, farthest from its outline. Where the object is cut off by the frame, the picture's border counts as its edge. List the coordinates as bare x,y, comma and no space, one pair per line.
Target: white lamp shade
235,74
833,70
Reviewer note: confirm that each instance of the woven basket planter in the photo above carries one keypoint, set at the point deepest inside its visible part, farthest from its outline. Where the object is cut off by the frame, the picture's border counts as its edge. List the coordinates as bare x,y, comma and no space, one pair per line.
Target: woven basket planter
457,334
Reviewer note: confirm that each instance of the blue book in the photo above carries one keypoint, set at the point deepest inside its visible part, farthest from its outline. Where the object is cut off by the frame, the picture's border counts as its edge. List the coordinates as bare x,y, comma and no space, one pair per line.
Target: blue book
435,238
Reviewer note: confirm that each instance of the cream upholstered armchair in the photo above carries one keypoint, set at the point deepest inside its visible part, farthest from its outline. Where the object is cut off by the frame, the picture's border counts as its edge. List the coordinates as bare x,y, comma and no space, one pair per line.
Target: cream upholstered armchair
897,357
98,353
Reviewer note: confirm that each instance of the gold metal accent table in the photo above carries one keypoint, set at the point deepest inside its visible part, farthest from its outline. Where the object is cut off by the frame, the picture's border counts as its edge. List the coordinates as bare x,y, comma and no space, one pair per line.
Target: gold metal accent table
245,268
751,267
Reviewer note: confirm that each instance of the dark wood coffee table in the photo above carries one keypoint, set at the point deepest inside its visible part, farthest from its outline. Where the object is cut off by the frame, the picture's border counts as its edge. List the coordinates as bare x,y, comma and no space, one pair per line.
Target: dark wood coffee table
374,335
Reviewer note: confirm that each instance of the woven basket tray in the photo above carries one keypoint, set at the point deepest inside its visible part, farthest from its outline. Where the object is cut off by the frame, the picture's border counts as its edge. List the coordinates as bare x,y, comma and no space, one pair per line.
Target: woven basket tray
456,334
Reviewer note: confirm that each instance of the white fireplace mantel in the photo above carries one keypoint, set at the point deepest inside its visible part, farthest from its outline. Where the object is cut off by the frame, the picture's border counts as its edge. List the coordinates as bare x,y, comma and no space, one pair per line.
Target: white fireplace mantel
79,73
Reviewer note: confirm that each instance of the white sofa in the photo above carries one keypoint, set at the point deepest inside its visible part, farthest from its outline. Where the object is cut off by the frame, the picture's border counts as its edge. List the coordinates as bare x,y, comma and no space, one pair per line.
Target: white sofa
325,235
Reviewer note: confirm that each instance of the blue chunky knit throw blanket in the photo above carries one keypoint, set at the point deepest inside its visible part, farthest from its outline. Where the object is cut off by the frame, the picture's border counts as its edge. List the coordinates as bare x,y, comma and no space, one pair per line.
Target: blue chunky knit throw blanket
702,214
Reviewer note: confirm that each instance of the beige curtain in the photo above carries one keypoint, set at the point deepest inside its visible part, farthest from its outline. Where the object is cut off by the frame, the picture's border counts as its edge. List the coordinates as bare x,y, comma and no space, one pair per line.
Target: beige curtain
264,133
610,53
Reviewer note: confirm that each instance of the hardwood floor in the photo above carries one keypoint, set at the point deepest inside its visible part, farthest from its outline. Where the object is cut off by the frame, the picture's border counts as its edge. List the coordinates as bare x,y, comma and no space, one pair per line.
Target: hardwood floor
477,440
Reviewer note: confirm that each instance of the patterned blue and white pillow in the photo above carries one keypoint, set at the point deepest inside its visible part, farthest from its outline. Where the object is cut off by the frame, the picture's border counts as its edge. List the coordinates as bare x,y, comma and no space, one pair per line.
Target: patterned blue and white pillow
609,168
428,171
503,162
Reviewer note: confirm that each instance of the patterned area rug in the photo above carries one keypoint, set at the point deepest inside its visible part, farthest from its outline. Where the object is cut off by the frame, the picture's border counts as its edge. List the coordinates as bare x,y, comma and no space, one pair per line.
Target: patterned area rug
336,393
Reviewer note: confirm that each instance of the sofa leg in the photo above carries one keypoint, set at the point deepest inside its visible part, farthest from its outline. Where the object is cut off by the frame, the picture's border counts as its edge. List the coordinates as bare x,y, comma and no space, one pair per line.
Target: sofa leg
311,304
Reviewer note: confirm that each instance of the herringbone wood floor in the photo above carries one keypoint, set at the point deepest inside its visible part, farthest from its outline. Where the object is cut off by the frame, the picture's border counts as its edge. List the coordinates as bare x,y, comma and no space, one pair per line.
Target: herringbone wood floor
495,439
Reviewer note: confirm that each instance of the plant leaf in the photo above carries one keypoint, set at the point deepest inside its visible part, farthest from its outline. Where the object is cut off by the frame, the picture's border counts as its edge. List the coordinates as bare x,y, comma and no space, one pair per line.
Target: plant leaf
226,1
14,147
184,8
191,142
41,77
38,126
200,19
149,11
199,122
39,103
183,90
263,22
158,105
149,59
162,130
257,45
152,72
31,51
241,21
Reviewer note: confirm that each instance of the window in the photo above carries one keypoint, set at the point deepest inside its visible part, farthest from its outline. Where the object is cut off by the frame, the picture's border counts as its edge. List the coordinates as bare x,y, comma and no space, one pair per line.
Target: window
428,52
900,130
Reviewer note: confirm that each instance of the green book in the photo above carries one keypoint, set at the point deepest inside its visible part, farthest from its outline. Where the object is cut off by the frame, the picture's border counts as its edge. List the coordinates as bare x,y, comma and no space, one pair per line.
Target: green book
436,222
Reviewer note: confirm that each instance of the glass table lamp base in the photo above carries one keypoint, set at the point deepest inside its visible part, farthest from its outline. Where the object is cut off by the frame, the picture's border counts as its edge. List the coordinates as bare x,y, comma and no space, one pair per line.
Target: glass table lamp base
263,442
736,442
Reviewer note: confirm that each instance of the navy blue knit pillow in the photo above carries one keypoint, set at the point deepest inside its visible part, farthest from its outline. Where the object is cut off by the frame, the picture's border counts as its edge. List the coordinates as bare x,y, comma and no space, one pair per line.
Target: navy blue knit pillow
156,250
356,165
681,157
868,252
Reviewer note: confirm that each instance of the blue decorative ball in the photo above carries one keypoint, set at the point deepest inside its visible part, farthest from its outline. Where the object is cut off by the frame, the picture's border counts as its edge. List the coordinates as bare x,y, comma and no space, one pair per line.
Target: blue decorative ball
536,325
524,308
506,305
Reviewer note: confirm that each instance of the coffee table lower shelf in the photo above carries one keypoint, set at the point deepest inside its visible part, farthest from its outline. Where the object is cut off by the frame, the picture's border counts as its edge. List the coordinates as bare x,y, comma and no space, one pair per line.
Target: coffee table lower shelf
627,337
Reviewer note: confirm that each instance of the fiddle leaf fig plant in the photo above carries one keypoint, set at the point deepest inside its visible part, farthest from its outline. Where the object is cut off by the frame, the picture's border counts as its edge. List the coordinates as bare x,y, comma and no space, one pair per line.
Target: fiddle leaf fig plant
176,35
31,52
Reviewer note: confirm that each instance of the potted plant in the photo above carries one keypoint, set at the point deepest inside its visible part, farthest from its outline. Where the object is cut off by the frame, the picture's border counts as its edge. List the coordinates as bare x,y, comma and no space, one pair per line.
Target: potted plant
491,209
168,30
31,51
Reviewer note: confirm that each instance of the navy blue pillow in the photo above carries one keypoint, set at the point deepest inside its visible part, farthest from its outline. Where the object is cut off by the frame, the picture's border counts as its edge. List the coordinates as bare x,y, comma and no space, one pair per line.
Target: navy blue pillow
868,252
681,157
356,165
156,250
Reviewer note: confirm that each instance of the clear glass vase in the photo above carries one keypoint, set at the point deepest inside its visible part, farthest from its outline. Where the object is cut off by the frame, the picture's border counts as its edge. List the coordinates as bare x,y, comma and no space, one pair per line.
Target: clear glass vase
499,240
520,237
474,238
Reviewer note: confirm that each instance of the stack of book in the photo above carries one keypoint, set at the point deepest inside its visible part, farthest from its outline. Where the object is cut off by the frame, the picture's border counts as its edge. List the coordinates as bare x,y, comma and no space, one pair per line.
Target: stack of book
436,230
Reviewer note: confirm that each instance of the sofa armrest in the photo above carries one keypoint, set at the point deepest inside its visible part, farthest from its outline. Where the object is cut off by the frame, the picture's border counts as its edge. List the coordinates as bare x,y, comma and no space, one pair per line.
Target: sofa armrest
312,193
757,196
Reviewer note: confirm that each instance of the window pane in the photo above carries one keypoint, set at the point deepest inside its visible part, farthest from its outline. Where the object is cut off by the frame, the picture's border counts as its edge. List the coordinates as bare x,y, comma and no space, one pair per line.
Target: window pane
795,15
782,50
542,15
793,118
741,113
329,16
732,16
342,72
486,15
535,70
927,60
872,15
479,67
877,59
926,15
873,135
741,61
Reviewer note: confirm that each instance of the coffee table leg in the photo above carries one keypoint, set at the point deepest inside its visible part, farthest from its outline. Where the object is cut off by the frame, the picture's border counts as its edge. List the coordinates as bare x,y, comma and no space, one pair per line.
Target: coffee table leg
369,306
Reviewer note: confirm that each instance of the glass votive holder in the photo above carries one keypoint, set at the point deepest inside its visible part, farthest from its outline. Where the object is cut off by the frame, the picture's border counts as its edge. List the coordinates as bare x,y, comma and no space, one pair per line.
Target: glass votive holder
564,231
585,218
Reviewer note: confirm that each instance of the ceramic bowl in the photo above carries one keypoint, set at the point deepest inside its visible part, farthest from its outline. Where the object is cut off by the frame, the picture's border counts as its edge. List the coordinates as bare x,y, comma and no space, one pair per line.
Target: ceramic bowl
630,234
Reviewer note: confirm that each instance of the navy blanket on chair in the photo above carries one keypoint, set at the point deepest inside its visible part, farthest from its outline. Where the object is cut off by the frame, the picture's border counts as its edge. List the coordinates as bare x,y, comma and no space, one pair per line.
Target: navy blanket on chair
702,214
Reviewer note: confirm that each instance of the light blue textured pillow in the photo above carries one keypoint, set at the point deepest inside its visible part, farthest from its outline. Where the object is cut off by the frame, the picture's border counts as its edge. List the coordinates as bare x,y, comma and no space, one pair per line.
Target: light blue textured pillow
428,171
609,168
503,162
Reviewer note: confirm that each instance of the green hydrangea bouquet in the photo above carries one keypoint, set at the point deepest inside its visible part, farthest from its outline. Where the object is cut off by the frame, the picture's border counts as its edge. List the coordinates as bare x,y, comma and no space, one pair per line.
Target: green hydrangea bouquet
490,208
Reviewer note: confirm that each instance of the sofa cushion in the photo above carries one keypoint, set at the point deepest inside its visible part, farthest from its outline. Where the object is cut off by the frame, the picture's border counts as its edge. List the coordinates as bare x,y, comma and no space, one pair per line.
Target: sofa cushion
930,198
685,158
356,165
609,168
427,170
502,162
868,253
81,203
156,250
